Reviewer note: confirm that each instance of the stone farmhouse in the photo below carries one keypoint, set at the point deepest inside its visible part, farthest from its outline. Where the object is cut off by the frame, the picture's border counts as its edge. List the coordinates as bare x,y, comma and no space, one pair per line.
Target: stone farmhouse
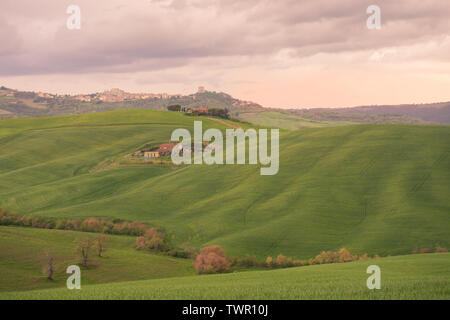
164,150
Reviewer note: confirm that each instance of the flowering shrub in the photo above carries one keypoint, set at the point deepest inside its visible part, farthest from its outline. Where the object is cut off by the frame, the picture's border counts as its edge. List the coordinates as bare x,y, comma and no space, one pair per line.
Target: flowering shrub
211,260
153,240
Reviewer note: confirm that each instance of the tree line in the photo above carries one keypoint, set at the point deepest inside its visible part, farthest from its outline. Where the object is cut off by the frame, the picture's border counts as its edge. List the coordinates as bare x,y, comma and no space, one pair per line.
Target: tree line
213,112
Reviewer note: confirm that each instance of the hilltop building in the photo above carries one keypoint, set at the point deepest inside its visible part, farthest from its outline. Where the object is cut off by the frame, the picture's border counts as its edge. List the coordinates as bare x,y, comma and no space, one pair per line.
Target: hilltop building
151,154
200,110
164,150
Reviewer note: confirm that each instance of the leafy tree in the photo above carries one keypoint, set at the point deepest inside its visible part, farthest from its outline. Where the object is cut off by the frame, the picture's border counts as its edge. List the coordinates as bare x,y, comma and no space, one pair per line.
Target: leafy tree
220,113
174,107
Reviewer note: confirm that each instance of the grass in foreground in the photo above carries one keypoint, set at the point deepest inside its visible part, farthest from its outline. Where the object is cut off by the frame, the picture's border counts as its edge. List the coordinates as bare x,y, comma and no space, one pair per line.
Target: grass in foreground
424,276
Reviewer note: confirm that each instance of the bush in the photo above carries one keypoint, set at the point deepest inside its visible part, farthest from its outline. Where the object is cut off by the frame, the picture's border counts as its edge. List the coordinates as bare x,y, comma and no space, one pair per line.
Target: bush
365,256
346,256
299,263
425,250
191,253
343,255
247,261
154,240
99,225
218,112
327,257
178,253
270,263
284,262
141,243
211,260
175,107
440,249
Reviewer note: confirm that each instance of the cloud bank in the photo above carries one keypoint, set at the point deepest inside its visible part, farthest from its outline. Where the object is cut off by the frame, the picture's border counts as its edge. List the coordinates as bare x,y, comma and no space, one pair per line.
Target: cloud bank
222,43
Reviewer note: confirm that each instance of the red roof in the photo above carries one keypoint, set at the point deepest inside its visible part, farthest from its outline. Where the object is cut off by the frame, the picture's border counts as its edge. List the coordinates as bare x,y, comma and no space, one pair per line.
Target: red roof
166,147
201,109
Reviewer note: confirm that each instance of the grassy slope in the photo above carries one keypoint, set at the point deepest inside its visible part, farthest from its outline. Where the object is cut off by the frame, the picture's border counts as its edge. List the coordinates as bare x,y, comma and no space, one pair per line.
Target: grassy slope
371,188
274,119
402,277
22,253
325,118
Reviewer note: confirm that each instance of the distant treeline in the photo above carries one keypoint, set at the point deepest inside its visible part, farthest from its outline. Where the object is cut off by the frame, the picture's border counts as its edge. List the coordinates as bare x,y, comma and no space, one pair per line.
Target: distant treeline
214,112
99,225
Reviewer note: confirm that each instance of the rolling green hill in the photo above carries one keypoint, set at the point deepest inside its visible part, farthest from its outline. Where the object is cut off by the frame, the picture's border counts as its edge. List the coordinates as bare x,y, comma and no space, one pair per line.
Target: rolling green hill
370,188
277,119
23,250
403,277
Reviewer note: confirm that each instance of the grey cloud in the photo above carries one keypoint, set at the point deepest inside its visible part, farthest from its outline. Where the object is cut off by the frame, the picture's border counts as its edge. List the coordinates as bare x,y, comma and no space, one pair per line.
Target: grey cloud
123,36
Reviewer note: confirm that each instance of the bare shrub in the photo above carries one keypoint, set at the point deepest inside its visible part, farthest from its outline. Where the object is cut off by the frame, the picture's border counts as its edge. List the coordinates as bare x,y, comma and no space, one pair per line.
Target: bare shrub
49,268
100,244
84,248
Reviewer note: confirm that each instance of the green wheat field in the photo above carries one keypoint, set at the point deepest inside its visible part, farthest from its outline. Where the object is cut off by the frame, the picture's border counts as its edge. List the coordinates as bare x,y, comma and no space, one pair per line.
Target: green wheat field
375,189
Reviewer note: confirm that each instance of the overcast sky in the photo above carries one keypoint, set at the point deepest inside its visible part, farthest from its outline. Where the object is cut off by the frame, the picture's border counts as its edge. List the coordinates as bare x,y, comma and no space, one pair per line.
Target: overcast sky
279,53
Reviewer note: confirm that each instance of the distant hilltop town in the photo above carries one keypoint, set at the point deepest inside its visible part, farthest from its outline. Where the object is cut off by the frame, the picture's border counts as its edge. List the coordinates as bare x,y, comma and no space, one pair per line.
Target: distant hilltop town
16,103
117,95
113,95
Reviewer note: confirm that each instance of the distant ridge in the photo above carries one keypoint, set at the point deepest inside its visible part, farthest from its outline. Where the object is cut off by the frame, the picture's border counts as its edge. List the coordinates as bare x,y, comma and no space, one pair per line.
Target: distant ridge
15,103
435,112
